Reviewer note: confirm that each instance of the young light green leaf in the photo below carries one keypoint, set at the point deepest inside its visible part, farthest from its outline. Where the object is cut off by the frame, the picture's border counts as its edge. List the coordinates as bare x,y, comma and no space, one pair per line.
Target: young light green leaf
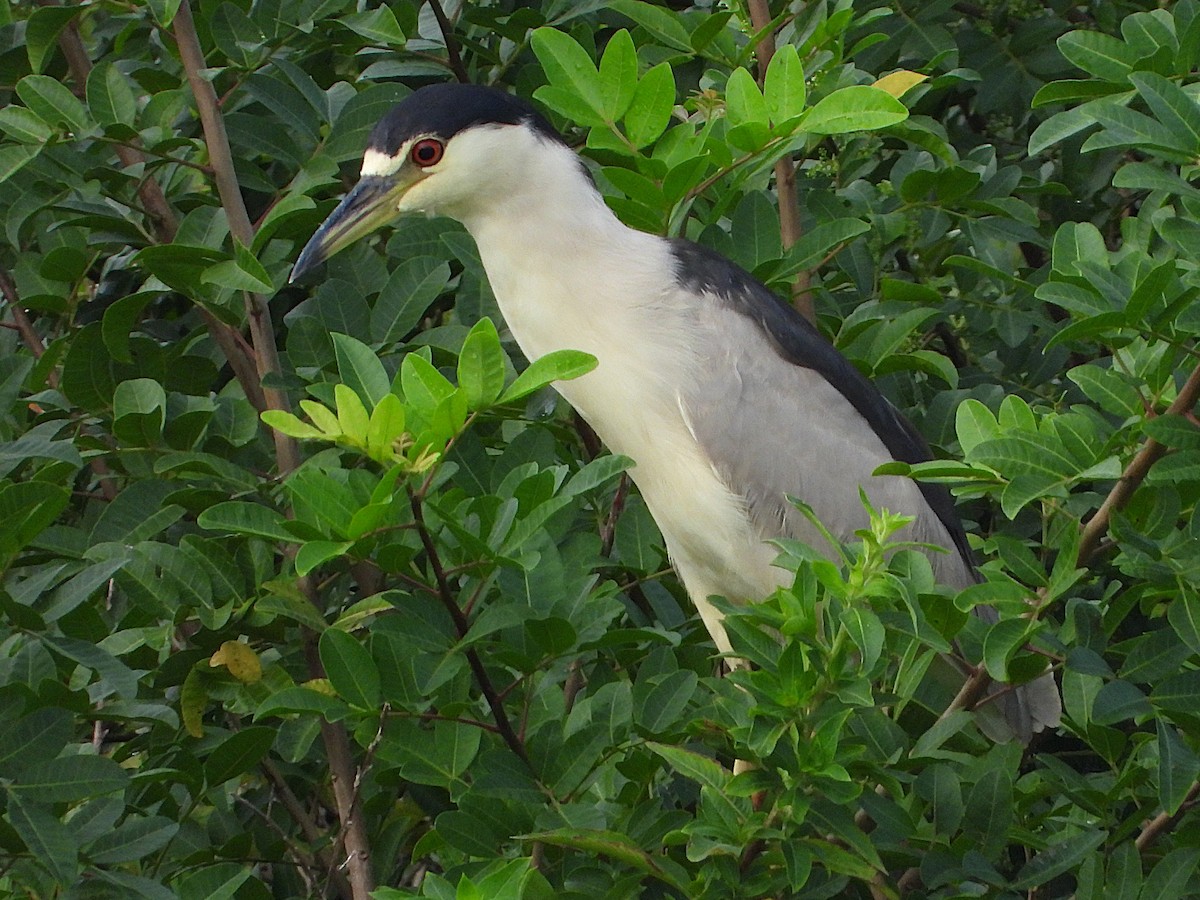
351,413
323,418
387,425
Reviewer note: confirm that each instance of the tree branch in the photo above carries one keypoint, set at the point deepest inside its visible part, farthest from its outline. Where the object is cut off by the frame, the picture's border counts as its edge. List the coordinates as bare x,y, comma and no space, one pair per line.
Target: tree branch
165,225
785,169
447,29
312,833
462,626
258,314
1133,476
1164,821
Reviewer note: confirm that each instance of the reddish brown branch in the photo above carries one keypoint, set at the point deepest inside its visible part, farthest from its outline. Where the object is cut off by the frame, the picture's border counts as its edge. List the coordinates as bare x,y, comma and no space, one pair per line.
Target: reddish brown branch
1133,476
166,225
262,331
785,169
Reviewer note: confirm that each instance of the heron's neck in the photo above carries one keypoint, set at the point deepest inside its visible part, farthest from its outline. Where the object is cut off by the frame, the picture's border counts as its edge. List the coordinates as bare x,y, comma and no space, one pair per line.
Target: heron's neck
548,229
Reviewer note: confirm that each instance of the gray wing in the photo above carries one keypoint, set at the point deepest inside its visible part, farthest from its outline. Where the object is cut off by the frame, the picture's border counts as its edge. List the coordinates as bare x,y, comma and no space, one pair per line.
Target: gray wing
781,412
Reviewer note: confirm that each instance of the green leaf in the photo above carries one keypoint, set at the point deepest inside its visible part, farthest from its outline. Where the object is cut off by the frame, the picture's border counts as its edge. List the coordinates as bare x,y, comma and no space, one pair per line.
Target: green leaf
783,86
658,706
24,125
1118,701
1002,642
612,845
350,668
560,365
662,23
110,98
242,273
704,770
315,553
69,779
238,754
650,111
1059,858
1184,616
360,369
42,734
47,839
481,365
139,412
15,158
1099,54
54,103
867,632
26,509
744,102
42,29
855,108
569,68
240,517
412,287
989,811
1178,768
618,75
1172,106
379,26
1170,876
132,840
1107,389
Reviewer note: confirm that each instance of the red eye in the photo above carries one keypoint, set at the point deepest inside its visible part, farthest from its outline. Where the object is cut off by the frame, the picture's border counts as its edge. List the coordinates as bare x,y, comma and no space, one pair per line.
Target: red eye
427,152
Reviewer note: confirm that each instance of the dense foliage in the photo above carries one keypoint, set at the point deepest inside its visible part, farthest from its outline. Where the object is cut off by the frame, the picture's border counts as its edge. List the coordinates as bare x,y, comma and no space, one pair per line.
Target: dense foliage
306,592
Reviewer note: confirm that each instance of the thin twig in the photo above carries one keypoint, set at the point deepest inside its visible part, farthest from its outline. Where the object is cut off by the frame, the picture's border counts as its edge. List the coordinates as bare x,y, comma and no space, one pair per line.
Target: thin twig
456,63
785,169
1135,473
462,626
313,834
1164,821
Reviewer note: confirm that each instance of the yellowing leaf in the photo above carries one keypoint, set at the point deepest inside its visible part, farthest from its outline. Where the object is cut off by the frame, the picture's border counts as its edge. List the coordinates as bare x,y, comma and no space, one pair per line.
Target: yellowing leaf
899,83
193,697
241,661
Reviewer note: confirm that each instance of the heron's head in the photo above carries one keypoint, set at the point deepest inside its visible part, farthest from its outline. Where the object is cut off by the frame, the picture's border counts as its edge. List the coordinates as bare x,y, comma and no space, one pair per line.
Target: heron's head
450,149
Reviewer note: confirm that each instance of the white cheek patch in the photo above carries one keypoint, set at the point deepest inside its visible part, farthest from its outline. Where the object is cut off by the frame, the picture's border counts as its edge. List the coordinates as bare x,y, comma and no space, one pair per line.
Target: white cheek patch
376,164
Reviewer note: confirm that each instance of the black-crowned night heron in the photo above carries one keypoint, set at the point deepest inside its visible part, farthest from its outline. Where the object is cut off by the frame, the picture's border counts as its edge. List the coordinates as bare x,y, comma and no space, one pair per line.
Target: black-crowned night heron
727,400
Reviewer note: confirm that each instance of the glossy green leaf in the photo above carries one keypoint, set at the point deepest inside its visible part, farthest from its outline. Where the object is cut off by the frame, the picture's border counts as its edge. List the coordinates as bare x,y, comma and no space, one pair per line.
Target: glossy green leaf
350,668
854,108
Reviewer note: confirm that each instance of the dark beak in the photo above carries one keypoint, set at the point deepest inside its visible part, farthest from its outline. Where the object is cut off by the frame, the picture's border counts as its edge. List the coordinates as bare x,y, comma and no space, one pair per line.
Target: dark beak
369,205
